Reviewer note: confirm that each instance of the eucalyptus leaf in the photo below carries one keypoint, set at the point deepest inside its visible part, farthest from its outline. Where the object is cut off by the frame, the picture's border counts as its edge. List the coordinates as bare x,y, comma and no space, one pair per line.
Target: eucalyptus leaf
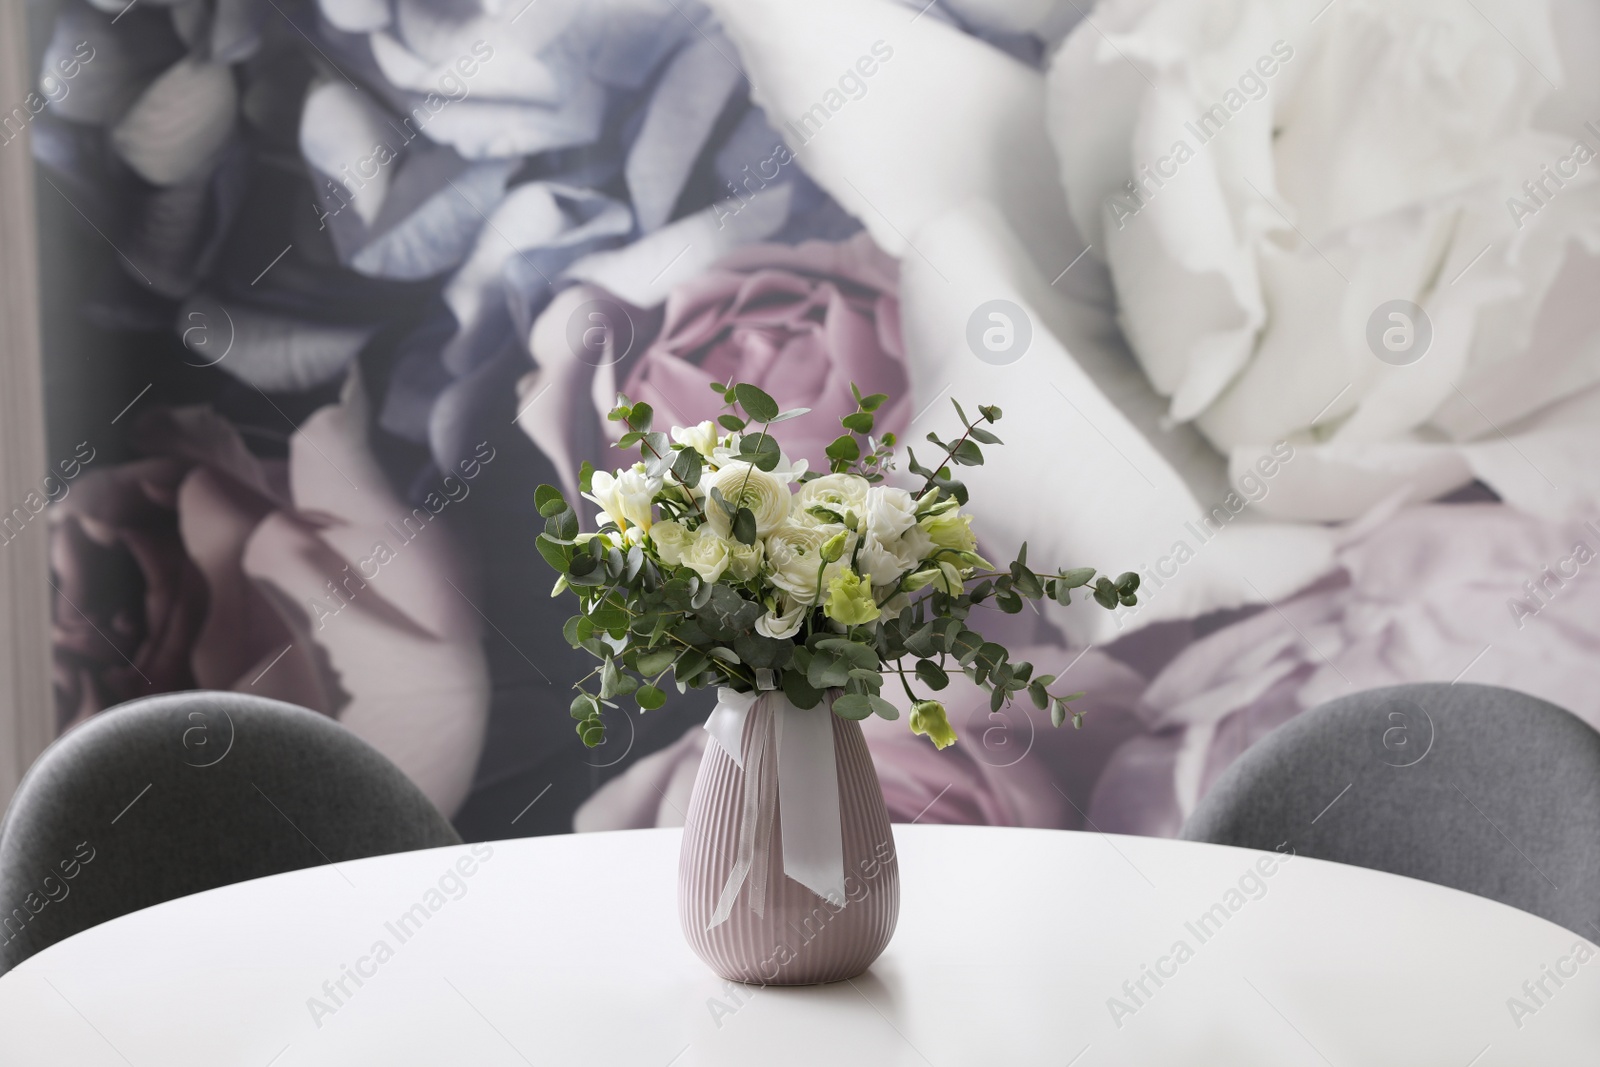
968,454
853,706
687,467
931,674
828,670
1077,576
980,434
554,553
655,661
549,501
843,449
798,689
757,404
744,526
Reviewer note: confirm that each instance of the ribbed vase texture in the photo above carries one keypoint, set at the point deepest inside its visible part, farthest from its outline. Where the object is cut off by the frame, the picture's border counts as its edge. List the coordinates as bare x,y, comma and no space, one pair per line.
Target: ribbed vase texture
800,938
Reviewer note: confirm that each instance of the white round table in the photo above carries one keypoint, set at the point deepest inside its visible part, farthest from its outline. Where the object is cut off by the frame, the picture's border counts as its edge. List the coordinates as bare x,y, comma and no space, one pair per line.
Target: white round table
1014,947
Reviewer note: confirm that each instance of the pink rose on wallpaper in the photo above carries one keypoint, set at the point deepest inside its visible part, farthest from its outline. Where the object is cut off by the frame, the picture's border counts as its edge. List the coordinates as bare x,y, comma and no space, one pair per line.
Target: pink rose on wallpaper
145,560
203,566
800,321
1447,592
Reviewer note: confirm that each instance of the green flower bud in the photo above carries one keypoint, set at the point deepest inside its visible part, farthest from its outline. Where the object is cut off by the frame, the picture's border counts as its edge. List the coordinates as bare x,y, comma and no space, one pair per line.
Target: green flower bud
928,719
832,549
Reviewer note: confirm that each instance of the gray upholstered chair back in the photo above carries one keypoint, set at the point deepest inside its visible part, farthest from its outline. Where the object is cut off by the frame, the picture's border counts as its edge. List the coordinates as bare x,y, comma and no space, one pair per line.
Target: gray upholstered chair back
176,794
1483,789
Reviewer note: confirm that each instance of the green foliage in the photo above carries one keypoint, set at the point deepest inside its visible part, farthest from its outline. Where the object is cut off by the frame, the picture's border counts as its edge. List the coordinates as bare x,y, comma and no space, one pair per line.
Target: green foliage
758,405
647,622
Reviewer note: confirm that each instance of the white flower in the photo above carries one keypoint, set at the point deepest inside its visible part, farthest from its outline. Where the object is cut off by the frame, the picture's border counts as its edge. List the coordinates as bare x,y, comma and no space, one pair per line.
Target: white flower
670,538
707,555
625,497
785,623
743,485
744,561
1262,191
890,512
886,561
701,438
793,561
840,493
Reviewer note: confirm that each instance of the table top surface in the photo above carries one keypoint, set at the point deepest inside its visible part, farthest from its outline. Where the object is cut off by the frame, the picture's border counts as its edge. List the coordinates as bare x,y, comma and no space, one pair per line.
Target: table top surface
1013,947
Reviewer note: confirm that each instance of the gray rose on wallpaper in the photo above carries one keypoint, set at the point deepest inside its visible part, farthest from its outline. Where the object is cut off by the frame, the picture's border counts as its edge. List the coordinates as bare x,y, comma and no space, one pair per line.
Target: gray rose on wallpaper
638,195
306,580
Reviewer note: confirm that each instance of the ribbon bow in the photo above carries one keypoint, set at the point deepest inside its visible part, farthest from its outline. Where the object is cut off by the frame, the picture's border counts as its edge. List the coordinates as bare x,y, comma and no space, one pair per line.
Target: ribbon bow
790,765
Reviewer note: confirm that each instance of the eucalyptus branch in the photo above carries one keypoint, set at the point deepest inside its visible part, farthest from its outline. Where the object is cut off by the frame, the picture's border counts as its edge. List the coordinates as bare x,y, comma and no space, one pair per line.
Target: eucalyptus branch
949,456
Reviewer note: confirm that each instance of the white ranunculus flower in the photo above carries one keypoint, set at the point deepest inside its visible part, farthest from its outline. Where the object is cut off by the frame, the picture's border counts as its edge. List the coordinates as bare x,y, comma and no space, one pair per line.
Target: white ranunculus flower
702,438
840,493
707,555
670,538
784,623
742,485
626,496
1263,187
793,558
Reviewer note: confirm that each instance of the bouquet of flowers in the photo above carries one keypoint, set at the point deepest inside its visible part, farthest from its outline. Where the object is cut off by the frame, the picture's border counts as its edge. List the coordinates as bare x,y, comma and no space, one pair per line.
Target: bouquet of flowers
719,560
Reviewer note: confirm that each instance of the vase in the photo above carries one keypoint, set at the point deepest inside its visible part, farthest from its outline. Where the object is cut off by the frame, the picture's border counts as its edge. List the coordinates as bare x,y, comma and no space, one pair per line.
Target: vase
778,931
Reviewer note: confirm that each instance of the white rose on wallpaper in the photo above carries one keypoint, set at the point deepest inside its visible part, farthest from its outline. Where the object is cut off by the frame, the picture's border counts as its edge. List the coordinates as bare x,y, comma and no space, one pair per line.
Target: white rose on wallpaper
1260,184
958,178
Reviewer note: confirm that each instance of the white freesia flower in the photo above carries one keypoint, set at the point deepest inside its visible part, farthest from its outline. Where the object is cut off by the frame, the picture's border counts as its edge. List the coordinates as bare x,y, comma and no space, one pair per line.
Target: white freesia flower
841,493
793,561
744,485
707,555
1265,188
625,497
702,437
783,624
670,538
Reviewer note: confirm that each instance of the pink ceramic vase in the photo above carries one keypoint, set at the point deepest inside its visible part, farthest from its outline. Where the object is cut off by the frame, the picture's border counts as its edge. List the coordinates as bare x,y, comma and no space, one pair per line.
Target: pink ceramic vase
799,938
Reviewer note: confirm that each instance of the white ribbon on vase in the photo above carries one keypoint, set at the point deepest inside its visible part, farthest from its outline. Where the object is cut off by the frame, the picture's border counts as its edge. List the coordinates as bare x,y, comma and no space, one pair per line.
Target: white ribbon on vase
790,765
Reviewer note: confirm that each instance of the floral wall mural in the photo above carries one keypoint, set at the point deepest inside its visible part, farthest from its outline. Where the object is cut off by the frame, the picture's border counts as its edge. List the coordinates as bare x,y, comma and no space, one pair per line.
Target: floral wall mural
331,287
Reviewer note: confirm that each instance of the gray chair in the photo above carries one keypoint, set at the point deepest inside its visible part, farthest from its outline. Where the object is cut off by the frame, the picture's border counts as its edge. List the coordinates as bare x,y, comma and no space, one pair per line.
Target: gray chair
1474,787
180,793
